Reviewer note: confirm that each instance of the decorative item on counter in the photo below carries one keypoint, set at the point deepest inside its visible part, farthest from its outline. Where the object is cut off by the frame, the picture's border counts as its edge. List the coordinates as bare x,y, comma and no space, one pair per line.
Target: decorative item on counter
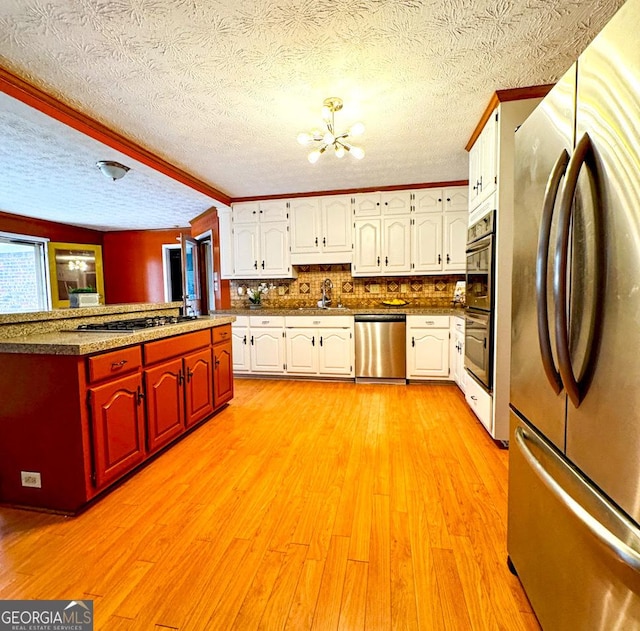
255,294
84,297
460,293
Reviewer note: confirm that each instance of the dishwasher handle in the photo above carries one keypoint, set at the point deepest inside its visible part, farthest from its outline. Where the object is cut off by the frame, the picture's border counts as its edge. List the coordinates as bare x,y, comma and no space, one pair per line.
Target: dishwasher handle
380,317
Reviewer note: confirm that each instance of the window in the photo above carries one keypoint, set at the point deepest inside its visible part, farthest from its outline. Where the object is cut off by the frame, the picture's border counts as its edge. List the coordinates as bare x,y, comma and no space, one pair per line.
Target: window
24,284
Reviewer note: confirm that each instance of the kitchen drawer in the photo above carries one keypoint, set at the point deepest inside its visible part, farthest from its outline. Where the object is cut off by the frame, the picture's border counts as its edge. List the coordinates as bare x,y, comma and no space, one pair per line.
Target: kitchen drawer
428,321
114,364
322,321
458,324
241,321
258,321
480,401
221,333
176,345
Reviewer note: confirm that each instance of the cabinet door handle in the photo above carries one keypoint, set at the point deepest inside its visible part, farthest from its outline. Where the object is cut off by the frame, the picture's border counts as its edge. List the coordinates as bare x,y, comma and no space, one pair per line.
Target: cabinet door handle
378,260
217,363
316,241
386,261
439,259
252,340
448,259
313,340
180,377
321,340
189,375
262,264
117,365
244,340
413,341
324,240
140,396
255,265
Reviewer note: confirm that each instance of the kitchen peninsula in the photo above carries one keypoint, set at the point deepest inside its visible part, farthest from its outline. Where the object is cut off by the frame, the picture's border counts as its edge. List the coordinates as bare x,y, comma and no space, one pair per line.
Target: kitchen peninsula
83,408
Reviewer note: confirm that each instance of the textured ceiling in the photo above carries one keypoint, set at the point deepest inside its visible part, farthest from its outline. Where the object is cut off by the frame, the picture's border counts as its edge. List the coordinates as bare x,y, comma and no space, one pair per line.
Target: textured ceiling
221,88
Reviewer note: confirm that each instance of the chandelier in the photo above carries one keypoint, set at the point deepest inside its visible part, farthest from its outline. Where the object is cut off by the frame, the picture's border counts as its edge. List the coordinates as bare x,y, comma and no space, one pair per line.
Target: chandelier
331,139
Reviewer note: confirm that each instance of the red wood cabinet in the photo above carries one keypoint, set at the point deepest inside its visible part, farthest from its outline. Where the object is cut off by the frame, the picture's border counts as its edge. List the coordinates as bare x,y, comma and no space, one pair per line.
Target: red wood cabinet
198,393
222,373
102,415
117,422
165,404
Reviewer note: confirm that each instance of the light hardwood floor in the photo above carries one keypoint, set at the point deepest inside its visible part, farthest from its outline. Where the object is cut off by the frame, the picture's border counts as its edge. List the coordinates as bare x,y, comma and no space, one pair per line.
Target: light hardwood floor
303,505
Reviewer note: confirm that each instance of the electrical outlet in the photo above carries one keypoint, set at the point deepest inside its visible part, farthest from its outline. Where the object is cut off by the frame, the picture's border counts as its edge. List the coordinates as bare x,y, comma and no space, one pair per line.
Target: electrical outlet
31,478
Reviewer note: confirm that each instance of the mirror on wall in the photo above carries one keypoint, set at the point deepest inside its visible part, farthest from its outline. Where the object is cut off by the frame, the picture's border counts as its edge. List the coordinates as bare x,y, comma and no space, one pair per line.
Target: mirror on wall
74,266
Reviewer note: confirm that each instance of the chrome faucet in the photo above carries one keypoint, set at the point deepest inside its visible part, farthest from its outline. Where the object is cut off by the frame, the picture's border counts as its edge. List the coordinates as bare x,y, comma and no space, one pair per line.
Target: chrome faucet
326,288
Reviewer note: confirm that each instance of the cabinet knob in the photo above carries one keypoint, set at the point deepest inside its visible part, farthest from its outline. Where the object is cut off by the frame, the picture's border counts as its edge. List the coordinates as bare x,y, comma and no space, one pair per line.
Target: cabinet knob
316,240
117,365
448,259
217,363
413,341
378,260
386,261
244,340
189,374
439,259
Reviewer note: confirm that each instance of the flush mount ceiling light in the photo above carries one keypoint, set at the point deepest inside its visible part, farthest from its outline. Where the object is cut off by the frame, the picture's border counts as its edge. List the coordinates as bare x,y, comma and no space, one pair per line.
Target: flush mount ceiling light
331,139
112,170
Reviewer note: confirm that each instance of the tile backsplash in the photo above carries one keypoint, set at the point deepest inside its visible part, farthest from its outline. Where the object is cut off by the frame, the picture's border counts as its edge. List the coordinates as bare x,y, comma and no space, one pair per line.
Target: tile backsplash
305,290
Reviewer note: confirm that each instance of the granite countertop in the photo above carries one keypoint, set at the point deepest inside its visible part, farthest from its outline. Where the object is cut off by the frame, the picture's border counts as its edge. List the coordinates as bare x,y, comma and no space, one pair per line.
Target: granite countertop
408,310
72,342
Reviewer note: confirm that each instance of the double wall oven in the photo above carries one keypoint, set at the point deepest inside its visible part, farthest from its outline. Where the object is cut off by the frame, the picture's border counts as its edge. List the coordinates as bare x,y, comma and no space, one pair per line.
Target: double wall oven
478,354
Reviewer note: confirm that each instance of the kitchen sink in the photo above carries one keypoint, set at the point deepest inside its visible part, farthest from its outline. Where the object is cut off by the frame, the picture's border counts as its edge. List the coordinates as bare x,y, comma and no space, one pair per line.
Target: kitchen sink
322,308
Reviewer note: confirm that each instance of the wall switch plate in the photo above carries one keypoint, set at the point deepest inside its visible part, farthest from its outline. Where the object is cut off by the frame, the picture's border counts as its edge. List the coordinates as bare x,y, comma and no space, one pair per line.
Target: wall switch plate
31,479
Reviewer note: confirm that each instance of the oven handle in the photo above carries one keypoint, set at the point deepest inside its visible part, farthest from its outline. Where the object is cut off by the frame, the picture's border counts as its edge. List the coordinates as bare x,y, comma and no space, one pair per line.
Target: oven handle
542,257
484,320
480,244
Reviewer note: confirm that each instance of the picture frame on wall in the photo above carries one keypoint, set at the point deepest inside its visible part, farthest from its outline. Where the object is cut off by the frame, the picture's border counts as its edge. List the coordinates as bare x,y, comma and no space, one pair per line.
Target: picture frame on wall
74,267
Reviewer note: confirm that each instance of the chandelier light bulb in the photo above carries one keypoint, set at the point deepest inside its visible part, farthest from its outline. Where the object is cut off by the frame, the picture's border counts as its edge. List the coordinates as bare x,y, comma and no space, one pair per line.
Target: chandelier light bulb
332,138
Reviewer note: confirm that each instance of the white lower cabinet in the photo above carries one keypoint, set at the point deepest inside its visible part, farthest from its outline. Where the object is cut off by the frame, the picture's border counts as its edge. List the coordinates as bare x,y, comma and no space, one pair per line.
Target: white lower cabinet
428,342
480,402
262,340
458,373
320,345
240,338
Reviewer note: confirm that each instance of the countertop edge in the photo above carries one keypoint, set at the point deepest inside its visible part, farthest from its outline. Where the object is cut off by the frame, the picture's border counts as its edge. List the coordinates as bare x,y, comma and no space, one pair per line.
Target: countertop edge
81,343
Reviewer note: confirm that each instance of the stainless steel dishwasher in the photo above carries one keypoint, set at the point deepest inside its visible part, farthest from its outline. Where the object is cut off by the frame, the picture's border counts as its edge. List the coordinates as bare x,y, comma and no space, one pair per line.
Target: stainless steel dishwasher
380,347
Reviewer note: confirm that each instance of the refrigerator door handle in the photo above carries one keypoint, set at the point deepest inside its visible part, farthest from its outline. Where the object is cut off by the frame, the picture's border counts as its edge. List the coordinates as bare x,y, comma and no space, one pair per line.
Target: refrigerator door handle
582,152
620,533
542,257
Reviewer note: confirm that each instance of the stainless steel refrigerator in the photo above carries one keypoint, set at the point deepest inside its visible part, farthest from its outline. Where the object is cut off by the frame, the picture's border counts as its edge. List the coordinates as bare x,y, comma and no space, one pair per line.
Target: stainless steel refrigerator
574,463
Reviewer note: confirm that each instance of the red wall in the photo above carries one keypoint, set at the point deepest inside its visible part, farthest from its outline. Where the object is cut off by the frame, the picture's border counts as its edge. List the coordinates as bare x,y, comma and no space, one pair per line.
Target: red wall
48,229
132,263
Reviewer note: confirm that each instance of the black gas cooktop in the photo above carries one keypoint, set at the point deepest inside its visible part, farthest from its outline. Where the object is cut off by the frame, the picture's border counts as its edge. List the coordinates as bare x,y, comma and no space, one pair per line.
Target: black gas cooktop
135,324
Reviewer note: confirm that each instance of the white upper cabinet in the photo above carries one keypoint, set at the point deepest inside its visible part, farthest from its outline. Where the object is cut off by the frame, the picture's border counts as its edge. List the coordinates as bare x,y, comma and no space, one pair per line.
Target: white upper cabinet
396,245
377,204
483,165
427,200
367,247
264,211
260,234
439,230
321,229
